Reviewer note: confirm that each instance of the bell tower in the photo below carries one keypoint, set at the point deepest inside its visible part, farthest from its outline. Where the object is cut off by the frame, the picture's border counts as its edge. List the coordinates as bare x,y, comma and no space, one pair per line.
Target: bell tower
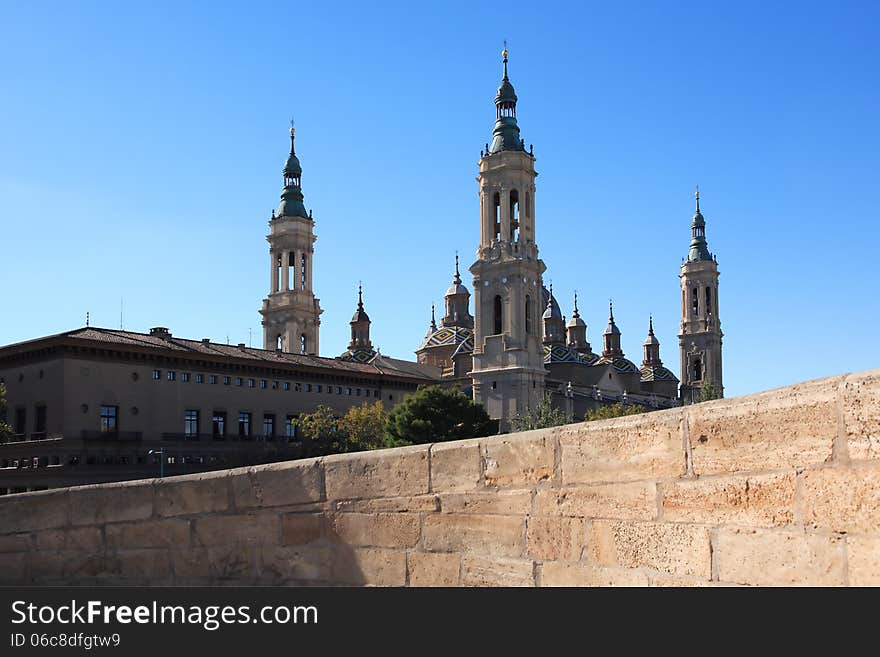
508,360
700,337
291,313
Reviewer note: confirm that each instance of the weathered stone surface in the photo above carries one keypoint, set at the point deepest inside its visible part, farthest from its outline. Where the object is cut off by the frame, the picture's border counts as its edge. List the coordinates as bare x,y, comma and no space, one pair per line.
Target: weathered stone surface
622,449
556,539
433,568
861,418
392,504
560,573
479,534
147,564
313,563
455,466
77,564
383,473
169,533
520,460
779,558
12,568
96,504
667,547
864,560
754,500
371,567
221,562
33,511
279,484
628,501
483,571
193,494
376,529
17,542
843,499
301,528
237,529
507,502
773,430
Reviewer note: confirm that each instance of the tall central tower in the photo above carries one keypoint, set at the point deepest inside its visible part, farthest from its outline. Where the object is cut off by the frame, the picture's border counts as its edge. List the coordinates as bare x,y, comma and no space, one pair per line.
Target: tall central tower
508,360
291,313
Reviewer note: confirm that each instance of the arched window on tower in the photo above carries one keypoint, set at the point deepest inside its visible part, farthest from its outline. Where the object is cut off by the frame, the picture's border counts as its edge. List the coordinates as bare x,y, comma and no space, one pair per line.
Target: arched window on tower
302,344
528,204
302,271
696,301
514,215
498,324
496,215
708,300
291,269
278,343
698,369
528,315
278,265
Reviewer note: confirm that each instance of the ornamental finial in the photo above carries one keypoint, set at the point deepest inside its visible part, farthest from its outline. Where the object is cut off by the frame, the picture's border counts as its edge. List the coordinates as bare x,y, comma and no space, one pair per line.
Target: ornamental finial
504,54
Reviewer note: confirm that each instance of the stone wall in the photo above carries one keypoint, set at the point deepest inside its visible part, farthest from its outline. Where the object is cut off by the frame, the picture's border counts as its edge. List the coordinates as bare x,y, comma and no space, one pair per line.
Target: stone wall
778,488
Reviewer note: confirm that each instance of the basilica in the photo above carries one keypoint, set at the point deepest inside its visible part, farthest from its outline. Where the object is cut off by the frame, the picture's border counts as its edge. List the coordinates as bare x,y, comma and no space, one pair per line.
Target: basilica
516,346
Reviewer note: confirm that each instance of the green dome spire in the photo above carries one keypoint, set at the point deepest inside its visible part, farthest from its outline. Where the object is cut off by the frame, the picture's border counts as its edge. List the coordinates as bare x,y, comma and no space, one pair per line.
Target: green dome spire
699,248
505,135
292,196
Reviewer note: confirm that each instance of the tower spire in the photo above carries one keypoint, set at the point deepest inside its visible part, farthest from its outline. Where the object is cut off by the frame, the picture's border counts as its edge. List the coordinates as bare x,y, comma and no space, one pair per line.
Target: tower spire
292,196
457,279
504,59
575,314
505,135
433,321
699,248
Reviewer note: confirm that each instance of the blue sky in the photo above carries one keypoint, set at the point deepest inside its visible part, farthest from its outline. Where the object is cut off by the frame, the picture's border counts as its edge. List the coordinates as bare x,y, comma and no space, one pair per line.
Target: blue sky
142,148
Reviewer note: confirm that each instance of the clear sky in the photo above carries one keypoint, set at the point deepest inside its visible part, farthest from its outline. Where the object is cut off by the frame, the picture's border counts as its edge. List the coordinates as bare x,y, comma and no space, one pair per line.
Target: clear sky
142,143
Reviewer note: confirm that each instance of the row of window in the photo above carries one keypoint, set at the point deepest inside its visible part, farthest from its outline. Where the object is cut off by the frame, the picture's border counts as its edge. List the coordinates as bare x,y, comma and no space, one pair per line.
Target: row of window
213,379
124,459
219,426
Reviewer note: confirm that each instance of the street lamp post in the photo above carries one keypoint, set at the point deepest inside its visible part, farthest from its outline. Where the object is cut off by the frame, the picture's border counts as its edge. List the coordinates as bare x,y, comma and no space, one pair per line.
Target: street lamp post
161,453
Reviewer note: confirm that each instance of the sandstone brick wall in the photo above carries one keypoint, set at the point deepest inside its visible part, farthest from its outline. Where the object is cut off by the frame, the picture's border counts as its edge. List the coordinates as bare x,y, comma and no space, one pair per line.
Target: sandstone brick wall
778,488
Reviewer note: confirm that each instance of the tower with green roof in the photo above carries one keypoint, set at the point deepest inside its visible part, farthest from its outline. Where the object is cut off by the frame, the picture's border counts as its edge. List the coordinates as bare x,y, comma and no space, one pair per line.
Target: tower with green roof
291,312
700,337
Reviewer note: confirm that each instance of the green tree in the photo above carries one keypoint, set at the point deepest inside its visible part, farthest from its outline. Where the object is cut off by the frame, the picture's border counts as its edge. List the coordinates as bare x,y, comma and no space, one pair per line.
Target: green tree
320,432
363,427
5,429
614,410
709,392
542,416
434,414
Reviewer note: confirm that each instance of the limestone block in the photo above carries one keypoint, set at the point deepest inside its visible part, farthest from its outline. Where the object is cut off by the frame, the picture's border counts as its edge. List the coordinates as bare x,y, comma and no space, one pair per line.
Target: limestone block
556,539
864,560
627,501
861,414
773,430
78,564
168,532
667,547
47,566
383,473
376,529
237,529
301,528
455,466
483,571
433,568
279,484
223,562
646,446
12,568
479,534
393,504
371,567
312,563
843,499
154,565
508,502
520,460
34,511
193,494
766,557
100,503
560,573
81,538
20,542
754,500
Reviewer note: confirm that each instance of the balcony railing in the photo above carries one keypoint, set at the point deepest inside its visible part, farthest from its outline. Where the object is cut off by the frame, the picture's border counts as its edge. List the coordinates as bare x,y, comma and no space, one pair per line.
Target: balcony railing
88,434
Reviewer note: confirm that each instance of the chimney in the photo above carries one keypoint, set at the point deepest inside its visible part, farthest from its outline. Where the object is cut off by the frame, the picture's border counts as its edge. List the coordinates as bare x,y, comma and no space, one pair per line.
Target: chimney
160,332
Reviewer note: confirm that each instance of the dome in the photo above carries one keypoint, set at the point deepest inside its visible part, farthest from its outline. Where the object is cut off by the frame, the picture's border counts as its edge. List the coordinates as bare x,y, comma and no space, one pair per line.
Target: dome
575,322
651,340
611,329
360,315
505,94
552,311
292,167
456,288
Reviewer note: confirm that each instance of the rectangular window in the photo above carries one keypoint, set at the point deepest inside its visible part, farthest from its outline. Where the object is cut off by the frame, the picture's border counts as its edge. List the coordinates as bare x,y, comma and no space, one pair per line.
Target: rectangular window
287,385
275,385
40,419
218,423
20,425
157,374
227,380
244,424
109,415
290,426
212,379
338,390
348,391
263,384
238,381
191,423
251,383
268,425
376,394
297,387
184,376
171,375
200,378
320,388
357,392
308,387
